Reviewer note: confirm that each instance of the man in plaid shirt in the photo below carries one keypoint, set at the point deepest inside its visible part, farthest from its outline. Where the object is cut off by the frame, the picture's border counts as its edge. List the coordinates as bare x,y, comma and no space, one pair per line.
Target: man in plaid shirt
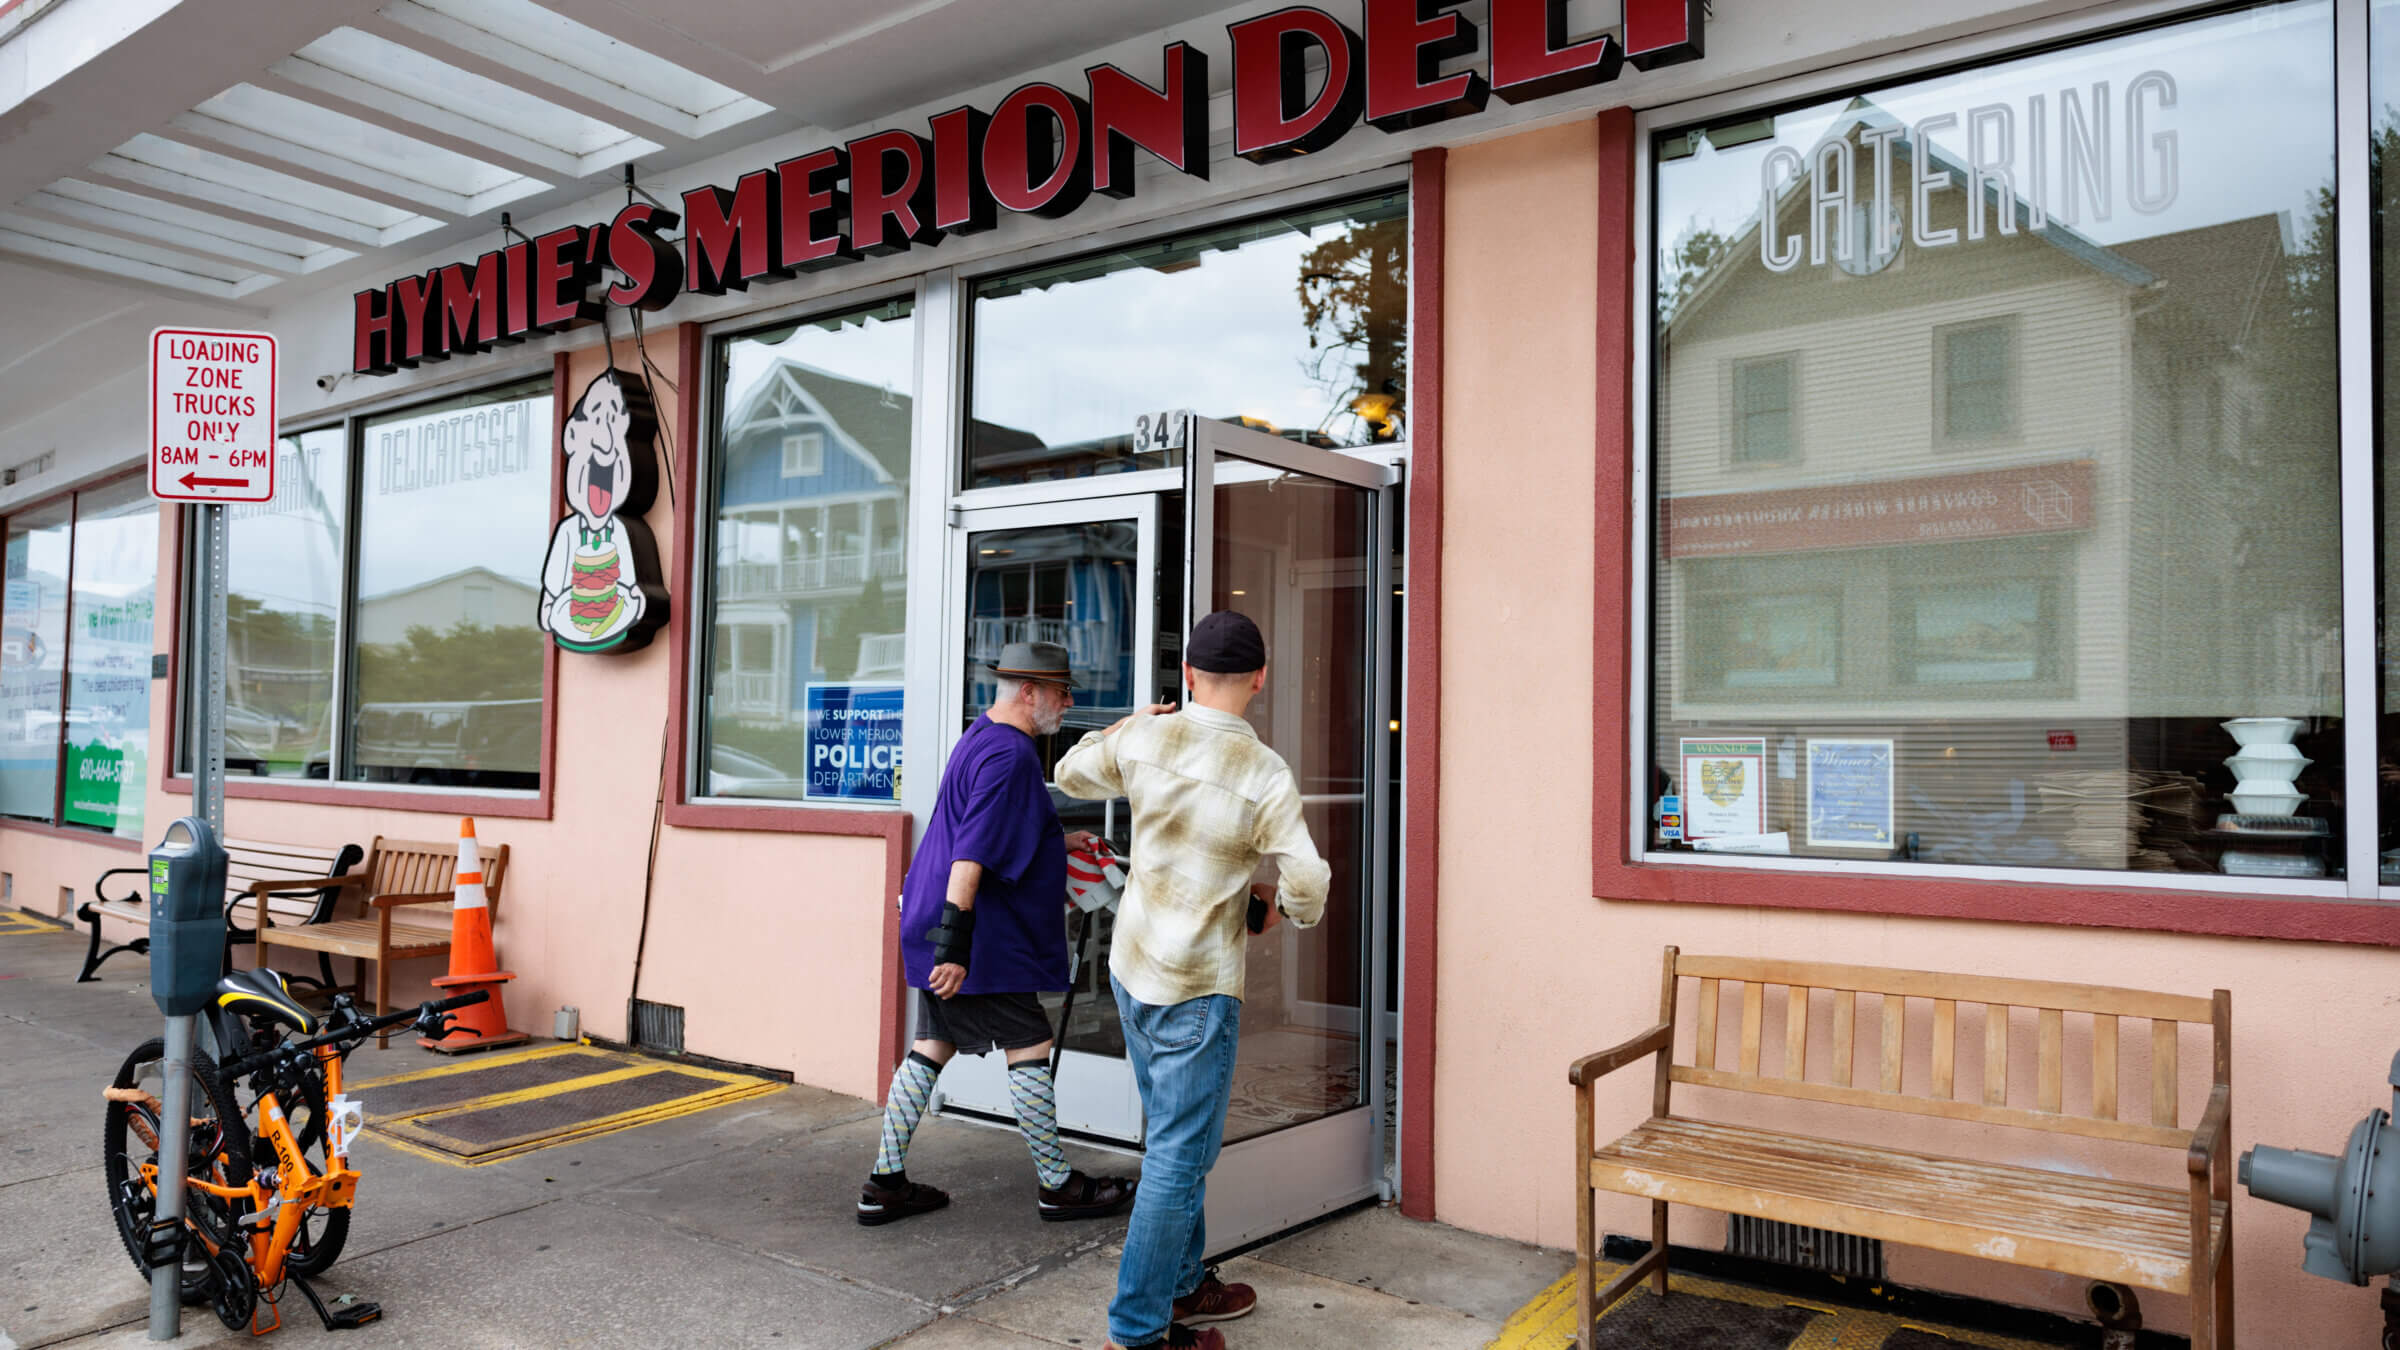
1209,801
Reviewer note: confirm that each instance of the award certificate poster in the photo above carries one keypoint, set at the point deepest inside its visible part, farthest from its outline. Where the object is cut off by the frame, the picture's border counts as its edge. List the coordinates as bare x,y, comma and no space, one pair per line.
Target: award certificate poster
1724,786
1850,794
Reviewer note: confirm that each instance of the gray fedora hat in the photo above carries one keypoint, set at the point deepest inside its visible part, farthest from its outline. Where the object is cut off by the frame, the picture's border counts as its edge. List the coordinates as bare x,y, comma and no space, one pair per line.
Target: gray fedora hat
1034,661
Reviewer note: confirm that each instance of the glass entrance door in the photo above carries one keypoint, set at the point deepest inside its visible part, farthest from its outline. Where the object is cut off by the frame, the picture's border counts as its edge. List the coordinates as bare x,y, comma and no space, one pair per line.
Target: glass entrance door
1297,538
1085,575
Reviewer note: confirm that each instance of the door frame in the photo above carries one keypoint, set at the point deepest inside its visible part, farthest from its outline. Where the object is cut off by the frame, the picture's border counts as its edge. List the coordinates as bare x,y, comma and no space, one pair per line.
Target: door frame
1274,1181
1096,1093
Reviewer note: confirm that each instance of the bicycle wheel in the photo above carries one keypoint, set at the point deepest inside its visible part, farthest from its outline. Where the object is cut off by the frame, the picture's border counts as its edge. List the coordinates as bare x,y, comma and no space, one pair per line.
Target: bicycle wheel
129,1140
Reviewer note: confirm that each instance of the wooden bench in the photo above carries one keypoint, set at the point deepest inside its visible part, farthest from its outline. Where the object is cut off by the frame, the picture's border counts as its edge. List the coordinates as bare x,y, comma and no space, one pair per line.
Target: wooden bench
398,874
2176,1238
278,876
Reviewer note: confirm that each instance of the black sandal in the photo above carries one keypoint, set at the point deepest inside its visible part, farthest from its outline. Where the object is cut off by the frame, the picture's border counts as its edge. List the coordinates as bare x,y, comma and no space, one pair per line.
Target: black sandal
1084,1197
880,1204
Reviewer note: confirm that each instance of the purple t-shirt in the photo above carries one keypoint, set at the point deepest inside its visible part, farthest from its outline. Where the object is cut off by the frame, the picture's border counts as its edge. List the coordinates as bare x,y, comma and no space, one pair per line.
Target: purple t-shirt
993,808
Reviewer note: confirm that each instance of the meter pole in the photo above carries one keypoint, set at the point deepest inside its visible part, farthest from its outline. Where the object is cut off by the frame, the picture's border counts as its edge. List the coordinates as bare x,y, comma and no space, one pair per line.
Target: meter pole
208,792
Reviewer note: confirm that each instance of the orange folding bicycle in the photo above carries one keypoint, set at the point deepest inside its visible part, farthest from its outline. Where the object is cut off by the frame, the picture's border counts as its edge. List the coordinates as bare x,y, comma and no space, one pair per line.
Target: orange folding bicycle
269,1188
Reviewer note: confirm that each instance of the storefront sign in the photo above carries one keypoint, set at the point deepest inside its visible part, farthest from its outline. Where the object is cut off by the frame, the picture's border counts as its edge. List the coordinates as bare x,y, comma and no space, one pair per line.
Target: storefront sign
1946,508
1724,787
212,416
1850,794
601,588
854,741
1042,150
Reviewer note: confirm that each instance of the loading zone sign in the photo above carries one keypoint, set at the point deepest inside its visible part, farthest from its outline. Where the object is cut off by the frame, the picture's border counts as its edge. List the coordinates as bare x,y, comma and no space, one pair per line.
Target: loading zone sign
212,416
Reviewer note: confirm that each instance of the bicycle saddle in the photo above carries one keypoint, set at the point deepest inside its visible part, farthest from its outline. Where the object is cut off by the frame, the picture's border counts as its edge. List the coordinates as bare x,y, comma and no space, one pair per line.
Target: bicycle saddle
263,994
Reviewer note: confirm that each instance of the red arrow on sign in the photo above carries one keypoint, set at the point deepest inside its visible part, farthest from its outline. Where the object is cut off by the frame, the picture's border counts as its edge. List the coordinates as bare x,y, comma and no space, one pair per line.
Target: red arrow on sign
191,482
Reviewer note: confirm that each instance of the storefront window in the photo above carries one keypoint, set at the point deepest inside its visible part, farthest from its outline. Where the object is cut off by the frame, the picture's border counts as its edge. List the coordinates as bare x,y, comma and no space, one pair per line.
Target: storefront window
283,612
1996,459
33,660
108,659
808,613
1295,323
454,501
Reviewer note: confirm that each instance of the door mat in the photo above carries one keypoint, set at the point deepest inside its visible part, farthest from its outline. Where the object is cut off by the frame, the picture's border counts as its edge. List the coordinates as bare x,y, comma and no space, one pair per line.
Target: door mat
1706,1314
485,1110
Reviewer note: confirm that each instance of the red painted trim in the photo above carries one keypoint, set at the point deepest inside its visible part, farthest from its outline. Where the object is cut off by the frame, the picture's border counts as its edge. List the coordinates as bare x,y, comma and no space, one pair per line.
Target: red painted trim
1615,876
72,832
687,495
1421,714
368,796
170,609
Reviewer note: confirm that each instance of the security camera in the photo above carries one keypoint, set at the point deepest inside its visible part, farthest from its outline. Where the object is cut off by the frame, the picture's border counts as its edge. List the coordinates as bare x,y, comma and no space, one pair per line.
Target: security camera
327,382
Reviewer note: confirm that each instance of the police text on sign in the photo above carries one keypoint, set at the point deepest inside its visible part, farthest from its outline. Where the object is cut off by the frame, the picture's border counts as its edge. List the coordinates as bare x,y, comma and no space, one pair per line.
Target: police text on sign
212,416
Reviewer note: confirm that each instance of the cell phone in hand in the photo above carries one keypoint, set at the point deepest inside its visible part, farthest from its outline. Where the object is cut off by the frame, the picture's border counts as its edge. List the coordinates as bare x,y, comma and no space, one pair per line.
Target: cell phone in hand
1258,914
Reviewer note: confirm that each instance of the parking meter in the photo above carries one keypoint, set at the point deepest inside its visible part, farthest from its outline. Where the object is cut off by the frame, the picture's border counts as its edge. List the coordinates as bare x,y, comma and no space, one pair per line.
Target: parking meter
187,954
187,917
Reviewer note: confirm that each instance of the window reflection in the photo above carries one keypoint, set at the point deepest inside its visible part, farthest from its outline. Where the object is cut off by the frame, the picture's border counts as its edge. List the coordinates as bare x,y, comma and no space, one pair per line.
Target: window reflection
2043,530
283,612
108,664
1295,323
809,596
455,501
33,654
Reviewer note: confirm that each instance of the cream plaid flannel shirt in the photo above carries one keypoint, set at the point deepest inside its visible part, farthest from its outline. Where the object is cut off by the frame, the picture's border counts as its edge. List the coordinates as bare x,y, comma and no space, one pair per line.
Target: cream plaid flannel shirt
1209,801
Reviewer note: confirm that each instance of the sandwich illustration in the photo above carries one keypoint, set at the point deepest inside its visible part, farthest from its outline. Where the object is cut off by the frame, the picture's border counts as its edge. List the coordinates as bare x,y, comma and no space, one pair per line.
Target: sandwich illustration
600,583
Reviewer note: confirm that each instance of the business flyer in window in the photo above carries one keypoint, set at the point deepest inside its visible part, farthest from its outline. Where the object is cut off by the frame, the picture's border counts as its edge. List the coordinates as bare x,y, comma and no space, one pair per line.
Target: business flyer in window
1724,786
1850,794
854,742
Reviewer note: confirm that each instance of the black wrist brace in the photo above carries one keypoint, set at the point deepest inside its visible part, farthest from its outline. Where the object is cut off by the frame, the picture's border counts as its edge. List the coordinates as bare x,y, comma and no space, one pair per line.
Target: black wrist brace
953,937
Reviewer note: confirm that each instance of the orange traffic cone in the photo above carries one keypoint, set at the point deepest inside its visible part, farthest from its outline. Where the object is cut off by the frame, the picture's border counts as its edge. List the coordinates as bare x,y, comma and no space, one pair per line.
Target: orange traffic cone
473,964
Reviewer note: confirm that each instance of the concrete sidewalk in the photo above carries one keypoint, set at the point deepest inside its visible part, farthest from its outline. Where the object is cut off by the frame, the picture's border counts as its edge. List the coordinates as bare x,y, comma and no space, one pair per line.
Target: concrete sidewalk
728,1227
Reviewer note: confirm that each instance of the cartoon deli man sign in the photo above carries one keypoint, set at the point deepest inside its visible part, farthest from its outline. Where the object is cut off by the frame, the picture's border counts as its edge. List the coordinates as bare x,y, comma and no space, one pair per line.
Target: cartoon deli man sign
600,582
1043,150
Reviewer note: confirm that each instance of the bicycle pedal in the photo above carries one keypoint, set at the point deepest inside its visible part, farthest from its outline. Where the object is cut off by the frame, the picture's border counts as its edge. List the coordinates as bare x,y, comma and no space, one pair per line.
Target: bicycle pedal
349,1317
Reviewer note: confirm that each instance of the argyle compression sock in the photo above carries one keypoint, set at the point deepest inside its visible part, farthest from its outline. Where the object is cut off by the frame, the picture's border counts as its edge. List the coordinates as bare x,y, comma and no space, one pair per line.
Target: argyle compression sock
1035,1097
912,1087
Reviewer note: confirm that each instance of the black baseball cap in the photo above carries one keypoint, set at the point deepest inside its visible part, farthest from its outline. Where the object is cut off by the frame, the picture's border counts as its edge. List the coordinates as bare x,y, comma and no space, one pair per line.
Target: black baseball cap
1226,643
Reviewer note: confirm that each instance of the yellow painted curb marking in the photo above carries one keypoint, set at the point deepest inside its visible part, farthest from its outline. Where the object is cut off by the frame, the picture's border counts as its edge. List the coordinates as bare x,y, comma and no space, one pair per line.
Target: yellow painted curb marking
1547,1322
16,922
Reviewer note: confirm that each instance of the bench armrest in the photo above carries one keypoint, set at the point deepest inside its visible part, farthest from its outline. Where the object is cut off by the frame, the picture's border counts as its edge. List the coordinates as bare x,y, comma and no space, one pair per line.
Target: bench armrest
290,887
420,898
132,897
1589,1068
2210,1141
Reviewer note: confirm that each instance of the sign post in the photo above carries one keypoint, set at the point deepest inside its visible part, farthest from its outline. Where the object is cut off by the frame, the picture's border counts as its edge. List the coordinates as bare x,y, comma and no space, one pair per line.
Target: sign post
212,441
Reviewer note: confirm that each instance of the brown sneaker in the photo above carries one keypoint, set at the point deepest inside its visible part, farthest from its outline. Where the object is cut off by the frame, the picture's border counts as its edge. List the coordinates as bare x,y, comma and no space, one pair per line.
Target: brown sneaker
880,1204
1215,1301
1180,1337
1083,1197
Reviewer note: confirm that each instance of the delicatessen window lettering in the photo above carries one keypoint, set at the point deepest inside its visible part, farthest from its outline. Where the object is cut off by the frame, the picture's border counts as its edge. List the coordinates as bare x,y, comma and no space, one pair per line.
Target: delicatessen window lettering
1996,458
383,619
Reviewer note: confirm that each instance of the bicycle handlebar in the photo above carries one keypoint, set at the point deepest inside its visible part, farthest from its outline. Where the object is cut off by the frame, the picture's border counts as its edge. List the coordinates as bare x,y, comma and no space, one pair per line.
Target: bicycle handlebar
358,1030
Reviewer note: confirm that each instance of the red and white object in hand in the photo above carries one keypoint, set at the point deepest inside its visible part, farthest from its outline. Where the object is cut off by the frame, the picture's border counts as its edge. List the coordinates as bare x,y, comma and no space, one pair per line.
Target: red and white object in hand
1095,877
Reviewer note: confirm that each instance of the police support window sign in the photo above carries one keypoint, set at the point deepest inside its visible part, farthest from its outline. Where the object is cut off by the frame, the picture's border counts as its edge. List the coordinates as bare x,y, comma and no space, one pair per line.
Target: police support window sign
853,742
212,415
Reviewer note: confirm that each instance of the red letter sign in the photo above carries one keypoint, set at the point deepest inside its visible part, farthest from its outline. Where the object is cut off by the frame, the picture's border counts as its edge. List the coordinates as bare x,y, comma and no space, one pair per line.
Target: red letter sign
1273,117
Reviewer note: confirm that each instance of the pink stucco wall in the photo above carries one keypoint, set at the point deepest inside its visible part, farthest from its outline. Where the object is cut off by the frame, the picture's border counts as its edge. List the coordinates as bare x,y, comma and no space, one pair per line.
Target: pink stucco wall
771,942
1538,971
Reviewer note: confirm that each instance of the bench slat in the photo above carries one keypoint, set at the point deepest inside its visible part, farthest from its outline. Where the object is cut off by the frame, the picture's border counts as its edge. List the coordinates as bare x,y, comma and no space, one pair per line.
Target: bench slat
1704,1042
2050,1064
1795,1033
1945,1048
1894,1040
1754,1006
2126,1131
1965,988
2162,1073
2104,1067
2085,1226
1845,1032
1995,1054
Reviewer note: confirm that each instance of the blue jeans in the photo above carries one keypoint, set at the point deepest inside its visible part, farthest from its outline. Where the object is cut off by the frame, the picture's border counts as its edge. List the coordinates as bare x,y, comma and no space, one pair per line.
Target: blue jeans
1183,1062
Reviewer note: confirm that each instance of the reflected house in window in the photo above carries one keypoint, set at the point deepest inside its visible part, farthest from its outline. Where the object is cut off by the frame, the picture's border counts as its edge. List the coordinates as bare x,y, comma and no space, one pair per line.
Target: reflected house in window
450,682
2040,484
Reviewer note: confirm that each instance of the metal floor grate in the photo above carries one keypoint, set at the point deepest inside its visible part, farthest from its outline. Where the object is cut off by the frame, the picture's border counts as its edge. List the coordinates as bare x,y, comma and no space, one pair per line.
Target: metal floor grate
414,1095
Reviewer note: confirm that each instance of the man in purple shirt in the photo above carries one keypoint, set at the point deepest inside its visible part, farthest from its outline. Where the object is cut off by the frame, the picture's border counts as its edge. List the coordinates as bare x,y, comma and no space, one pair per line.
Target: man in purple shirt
982,927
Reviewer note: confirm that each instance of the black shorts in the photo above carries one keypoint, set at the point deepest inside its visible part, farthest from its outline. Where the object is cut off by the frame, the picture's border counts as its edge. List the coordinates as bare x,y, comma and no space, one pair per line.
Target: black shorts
979,1022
